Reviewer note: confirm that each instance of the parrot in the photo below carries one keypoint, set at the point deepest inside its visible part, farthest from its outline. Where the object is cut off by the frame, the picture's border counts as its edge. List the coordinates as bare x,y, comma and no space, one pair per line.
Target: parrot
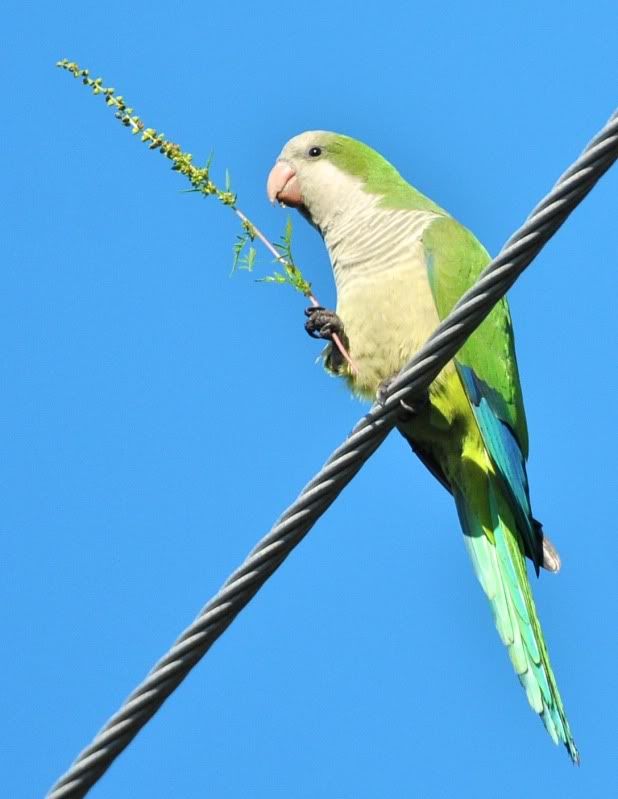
400,262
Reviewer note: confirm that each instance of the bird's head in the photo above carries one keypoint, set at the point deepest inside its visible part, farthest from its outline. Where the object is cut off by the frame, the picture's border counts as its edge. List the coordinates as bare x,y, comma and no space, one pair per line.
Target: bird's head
324,174
319,172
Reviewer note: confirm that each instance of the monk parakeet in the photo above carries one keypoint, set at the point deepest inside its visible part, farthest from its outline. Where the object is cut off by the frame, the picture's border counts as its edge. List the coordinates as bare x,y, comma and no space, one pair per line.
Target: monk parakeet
400,263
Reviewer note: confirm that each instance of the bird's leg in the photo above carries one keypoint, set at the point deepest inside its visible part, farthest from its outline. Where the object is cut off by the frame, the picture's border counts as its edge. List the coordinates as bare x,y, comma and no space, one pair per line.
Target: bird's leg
322,323
409,409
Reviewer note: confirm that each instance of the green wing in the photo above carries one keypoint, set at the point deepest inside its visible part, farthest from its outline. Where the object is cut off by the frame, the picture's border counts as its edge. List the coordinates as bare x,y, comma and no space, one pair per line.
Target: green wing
487,368
455,259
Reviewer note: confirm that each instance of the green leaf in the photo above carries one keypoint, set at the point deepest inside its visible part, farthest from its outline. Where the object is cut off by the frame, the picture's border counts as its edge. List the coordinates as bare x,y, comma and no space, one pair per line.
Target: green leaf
249,261
237,249
274,278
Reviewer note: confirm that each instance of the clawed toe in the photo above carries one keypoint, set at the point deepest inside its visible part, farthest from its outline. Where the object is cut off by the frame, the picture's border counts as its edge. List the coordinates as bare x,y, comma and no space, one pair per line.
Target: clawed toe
322,323
408,408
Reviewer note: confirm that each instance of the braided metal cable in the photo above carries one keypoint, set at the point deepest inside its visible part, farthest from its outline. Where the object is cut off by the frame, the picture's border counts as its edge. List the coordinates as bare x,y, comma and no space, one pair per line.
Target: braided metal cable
343,464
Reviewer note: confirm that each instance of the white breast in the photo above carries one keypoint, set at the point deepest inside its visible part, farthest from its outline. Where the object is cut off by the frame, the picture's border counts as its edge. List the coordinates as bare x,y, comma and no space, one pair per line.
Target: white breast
383,294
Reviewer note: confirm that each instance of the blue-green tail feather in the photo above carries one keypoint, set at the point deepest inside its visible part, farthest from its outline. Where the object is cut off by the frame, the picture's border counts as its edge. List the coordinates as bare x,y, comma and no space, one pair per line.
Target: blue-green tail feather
498,559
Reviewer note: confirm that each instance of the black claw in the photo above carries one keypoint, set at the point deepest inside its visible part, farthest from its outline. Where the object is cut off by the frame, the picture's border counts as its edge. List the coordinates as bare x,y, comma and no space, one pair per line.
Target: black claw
409,409
312,309
322,323
309,328
382,391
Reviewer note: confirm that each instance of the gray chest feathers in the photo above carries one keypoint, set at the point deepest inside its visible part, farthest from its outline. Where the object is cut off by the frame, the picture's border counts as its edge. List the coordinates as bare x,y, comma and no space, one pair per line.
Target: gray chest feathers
383,294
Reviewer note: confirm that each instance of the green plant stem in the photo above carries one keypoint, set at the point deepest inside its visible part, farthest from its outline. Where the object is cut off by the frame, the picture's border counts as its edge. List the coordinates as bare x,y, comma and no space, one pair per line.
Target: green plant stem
310,296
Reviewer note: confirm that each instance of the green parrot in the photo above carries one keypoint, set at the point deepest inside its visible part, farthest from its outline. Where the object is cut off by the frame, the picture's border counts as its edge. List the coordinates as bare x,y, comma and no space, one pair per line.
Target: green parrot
400,263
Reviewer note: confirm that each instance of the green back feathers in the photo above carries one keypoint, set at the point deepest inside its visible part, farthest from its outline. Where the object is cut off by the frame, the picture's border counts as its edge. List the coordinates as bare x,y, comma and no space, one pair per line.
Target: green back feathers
379,176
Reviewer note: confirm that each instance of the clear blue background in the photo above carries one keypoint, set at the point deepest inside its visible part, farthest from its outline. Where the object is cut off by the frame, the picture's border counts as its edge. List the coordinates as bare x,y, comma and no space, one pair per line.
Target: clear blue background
157,415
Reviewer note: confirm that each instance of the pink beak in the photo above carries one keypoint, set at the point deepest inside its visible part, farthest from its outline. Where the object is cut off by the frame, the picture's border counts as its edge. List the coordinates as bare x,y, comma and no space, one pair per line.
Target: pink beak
283,185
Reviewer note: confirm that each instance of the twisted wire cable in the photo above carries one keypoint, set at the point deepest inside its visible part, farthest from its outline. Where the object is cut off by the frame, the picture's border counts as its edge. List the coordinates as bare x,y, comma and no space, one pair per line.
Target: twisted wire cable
411,383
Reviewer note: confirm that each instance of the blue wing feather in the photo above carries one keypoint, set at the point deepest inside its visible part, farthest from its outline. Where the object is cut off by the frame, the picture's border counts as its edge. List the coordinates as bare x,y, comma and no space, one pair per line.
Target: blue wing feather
506,456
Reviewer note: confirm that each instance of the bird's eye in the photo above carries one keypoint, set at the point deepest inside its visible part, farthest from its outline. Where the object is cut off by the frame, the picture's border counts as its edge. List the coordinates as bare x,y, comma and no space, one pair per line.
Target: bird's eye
315,152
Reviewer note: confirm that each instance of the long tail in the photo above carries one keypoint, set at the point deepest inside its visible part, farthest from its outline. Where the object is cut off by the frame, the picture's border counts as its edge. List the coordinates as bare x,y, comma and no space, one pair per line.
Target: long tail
497,553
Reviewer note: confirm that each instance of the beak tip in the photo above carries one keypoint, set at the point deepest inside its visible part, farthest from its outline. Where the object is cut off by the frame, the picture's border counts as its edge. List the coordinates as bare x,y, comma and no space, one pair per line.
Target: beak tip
278,181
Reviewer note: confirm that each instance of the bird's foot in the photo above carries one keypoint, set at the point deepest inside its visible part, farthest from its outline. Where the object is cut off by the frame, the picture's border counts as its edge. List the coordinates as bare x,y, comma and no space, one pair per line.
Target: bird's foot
325,324
408,409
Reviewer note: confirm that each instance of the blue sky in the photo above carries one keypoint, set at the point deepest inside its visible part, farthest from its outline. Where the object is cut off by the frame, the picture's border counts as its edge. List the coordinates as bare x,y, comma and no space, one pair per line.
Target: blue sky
158,414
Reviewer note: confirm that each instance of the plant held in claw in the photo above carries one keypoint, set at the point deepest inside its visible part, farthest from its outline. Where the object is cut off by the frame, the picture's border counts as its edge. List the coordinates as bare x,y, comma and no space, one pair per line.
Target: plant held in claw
244,253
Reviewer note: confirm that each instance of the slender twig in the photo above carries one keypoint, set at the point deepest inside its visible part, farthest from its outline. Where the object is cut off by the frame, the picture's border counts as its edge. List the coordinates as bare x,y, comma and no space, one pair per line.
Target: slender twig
200,180
310,296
